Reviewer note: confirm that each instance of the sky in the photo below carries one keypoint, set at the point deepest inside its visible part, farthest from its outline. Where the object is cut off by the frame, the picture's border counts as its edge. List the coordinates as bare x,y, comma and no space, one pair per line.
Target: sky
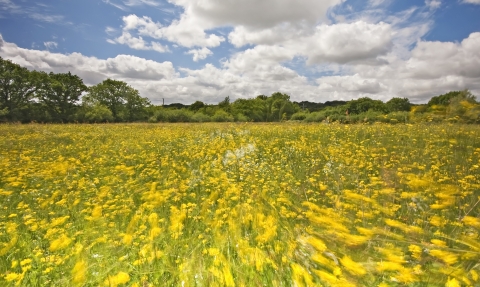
184,51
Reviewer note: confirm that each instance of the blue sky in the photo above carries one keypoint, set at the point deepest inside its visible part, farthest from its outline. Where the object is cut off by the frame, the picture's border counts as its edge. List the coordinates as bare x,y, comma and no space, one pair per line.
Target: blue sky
188,50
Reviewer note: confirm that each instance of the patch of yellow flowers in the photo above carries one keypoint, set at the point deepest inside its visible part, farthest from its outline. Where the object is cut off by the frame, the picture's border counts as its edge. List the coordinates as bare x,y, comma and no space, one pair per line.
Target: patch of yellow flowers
239,205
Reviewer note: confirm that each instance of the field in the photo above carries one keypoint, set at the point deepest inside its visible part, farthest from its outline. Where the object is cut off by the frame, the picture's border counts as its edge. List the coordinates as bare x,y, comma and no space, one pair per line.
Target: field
239,205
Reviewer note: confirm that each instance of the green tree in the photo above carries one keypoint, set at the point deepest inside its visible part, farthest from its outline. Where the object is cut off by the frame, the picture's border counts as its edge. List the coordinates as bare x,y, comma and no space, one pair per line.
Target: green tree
444,99
60,93
197,106
225,104
365,104
17,88
398,105
121,99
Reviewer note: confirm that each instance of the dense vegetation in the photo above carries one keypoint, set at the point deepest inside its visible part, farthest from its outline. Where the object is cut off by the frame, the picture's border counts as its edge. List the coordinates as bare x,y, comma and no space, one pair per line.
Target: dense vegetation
33,96
242,204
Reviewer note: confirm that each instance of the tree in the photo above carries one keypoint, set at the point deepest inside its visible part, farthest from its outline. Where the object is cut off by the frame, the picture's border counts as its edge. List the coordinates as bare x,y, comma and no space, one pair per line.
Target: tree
60,93
197,106
122,100
225,104
365,104
444,99
17,88
398,105
135,106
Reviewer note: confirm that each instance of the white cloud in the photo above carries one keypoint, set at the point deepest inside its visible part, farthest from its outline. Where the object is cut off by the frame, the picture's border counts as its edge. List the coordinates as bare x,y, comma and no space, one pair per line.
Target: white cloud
255,16
180,32
254,13
242,35
118,6
200,54
137,43
91,69
375,3
434,4
50,45
343,43
368,54
471,1
110,30
432,68
31,12
141,2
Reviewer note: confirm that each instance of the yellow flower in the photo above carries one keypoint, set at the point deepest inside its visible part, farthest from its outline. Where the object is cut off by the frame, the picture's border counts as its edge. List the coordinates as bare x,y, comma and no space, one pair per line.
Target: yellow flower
452,283
60,243
25,261
416,251
13,276
97,212
471,221
118,279
317,243
447,257
353,267
438,242
79,272
127,239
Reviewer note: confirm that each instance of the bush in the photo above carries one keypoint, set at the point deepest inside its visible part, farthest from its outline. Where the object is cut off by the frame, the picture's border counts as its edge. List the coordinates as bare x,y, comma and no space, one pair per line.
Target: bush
174,116
299,116
201,118
241,118
315,117
222,116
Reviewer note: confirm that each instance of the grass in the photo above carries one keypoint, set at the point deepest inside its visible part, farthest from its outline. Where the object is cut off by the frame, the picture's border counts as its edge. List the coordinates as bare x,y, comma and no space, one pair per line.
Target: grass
239,205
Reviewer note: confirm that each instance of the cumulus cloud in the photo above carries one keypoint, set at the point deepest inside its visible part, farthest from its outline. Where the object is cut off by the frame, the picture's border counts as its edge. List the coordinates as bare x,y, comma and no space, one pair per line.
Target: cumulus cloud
432,69
472,1
180,32
253,13
138,43
200,54
370,55
343,43
91,69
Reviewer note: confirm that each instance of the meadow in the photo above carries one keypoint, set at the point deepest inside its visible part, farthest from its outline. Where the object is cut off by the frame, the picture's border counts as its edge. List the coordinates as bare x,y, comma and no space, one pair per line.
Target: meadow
284,204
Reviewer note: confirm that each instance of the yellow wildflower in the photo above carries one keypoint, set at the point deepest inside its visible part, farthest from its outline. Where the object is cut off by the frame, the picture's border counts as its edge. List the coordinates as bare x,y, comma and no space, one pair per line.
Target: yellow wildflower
353,267
60,243
118,279
452,283
79,273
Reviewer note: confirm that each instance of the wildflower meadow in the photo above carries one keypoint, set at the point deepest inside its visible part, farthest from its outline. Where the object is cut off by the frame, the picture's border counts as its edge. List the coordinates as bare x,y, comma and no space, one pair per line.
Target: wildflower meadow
240,204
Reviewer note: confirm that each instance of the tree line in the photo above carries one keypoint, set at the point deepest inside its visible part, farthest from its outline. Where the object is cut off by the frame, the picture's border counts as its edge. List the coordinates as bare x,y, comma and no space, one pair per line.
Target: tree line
35,96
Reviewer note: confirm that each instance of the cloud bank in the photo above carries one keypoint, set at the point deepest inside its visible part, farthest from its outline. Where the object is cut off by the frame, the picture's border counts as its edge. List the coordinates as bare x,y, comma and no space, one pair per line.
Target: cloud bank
312,50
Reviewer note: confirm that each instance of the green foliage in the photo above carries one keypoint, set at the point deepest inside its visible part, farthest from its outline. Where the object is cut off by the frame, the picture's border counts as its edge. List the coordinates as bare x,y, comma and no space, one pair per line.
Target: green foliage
299,116
197,106
201,118
98,113
122,100
222,116
174,116
398,105
60,94
362,105
17,88
443,99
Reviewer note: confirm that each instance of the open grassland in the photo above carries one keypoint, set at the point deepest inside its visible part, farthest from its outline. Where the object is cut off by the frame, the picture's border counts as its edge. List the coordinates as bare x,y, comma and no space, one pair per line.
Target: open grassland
239,205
